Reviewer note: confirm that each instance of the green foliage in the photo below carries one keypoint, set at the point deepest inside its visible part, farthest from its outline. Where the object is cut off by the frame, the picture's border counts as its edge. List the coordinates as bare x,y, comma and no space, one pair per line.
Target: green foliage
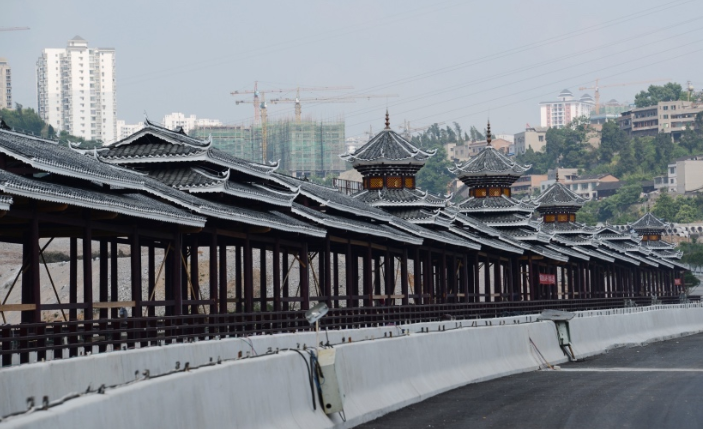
434,175
654,94
26,120
690,281
475,135
692,253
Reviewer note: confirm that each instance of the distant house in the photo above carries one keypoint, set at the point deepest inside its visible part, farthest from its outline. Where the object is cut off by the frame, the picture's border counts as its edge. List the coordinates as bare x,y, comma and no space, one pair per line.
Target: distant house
475,147
585,186
527,184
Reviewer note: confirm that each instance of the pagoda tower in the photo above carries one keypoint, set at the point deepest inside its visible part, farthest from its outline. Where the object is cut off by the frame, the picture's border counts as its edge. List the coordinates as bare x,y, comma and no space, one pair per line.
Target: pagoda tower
558,206
389,164
489,176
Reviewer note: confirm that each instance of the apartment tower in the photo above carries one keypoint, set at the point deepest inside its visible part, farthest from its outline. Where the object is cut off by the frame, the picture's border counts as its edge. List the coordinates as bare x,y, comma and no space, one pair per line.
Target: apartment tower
76,90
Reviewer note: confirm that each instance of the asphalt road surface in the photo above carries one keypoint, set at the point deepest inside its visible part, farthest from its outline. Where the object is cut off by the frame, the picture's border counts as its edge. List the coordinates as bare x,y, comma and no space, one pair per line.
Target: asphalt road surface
656,386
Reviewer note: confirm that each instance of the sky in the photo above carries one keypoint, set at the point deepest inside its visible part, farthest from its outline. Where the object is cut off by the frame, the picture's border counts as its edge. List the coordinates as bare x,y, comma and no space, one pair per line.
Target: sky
442,61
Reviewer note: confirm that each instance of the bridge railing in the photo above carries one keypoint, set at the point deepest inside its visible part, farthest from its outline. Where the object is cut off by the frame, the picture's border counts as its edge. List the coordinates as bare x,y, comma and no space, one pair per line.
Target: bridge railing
73,338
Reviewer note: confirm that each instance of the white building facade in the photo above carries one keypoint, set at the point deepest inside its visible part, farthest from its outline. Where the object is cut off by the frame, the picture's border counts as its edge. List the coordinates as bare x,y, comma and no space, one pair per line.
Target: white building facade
5,85
561,112
125,130
76,90
187,123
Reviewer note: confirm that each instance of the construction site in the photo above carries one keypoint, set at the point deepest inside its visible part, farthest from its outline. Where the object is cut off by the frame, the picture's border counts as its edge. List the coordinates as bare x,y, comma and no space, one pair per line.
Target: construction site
303,146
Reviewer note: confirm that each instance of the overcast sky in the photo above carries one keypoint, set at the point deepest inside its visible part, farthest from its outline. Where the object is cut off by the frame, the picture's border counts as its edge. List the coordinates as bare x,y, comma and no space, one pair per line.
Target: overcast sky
447,60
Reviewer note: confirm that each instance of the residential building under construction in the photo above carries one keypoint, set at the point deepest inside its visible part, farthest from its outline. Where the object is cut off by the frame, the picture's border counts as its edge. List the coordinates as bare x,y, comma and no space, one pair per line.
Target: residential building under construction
304,147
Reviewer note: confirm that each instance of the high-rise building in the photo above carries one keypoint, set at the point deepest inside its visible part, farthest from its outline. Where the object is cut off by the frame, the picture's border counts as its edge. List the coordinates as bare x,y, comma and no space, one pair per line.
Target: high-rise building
5,85
187,123
303,147
125,130
561,112
76,90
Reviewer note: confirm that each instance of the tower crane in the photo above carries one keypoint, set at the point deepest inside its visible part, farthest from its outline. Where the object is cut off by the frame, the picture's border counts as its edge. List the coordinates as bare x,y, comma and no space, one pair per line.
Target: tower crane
341,99
597,88
258,93
408,130
13,28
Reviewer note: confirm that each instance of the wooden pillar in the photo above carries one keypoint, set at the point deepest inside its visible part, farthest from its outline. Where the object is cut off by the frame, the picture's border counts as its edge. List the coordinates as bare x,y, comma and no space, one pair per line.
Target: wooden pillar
194,272
464,275
212,273
263,304
103,283
248,277
477,280
389,277
238,277
276,276
498,278
151,287
404,276
176,273
222,296
135,256
114,280
31,287
533,277
304,277
286,282
417,273
428,285
368,278
326,271
350,276
443,288
487,279
73,278
87,268
335,269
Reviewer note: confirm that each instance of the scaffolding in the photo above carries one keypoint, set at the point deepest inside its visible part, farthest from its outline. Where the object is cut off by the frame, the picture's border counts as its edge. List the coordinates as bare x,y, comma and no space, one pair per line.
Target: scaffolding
305,148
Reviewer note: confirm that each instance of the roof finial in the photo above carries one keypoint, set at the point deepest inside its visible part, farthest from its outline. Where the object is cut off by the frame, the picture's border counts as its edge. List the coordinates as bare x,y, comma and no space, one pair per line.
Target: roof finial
557,180
388,121
488,134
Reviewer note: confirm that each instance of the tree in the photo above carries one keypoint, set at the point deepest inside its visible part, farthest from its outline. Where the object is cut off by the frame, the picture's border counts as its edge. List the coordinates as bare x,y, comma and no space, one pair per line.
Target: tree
691,139
475,134
665,207
654,94
686,214
612,140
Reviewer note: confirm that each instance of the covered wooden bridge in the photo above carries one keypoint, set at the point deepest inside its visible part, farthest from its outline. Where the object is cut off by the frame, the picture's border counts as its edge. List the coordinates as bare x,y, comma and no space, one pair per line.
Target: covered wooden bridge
221,246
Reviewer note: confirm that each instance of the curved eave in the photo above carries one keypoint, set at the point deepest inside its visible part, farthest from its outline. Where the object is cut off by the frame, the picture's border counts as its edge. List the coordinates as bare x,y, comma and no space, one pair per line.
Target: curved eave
485,241
135,210
343,208
163,134
195,156
358,227
63,170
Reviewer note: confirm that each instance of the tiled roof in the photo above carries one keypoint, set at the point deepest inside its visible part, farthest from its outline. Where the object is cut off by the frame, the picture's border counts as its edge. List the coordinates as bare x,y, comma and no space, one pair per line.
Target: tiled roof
48,156
558,195
198,180
354,225
496,204
187,177
388,147
400,197
333,198
489,162
132,204
649,222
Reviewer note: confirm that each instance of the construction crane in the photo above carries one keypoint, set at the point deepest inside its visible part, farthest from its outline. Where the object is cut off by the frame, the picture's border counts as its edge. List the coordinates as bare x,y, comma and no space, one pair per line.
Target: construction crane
258,94
408,130
597,88
13,28
342,99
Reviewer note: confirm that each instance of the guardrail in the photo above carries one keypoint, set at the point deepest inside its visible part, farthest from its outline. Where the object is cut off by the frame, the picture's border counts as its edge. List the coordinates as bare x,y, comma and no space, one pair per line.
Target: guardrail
101,335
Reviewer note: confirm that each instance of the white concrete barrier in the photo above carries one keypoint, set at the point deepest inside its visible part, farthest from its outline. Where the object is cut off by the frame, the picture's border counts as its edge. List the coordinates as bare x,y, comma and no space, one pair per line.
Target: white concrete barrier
375,377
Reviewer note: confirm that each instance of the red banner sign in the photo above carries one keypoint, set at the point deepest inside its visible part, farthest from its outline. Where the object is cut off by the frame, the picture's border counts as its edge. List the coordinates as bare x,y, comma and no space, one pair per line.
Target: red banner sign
677,282
547,279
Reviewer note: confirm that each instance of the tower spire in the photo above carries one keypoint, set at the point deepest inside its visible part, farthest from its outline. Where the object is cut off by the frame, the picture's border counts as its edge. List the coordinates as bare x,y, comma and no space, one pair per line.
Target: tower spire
388,121
488,134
